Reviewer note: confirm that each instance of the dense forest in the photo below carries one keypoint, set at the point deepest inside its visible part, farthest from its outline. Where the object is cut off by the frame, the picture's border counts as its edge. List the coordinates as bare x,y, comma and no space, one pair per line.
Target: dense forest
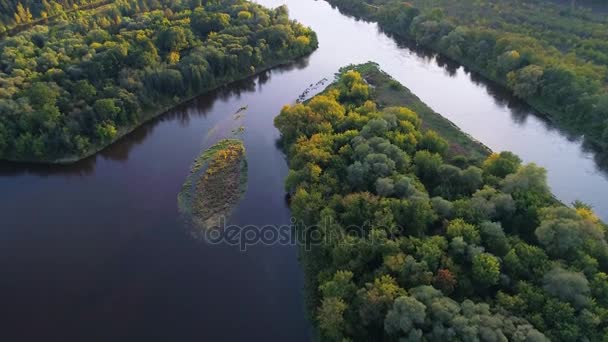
20,12
408,237
553,57
75,85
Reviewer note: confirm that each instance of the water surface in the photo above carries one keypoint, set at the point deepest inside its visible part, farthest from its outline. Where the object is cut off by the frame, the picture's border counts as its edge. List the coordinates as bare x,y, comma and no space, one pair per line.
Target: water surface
95,251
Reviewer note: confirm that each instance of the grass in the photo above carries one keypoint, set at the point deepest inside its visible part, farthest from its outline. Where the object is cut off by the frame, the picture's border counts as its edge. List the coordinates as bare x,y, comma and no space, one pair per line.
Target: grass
217,181
389,92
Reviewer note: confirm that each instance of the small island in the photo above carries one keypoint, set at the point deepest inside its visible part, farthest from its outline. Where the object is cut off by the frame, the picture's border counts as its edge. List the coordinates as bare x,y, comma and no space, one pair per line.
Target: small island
217,181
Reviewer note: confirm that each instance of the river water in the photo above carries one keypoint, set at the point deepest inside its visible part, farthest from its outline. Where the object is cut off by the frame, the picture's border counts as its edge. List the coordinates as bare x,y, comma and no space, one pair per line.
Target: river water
95,251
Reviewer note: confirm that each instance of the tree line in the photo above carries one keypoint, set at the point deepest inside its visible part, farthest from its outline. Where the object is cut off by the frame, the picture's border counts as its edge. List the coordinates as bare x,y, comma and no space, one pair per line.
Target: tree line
19,12
553,57
407,240
72,87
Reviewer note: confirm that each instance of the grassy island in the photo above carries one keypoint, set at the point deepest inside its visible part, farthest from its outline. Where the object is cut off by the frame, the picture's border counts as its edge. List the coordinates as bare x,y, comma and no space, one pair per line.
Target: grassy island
417,232
217,181
77,81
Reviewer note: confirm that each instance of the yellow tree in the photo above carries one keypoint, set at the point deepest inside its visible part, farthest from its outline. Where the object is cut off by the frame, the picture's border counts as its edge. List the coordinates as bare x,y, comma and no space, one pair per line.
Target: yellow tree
23,15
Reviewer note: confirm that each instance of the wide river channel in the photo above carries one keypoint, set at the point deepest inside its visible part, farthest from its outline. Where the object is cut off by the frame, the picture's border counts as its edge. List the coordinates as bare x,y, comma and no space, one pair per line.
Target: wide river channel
95,251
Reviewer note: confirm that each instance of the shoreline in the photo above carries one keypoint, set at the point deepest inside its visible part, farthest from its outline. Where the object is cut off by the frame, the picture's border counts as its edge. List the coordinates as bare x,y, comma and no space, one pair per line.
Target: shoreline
149,117
546,111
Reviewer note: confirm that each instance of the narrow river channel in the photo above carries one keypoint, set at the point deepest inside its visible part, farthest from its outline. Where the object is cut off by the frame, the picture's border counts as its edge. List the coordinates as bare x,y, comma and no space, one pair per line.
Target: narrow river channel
95,251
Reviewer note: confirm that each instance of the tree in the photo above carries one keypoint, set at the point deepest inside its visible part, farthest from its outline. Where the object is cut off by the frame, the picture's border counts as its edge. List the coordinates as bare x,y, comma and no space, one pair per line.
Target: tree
84,90
427,166
172,39
508,61
486,269
570,286
525,261
442,207
23,14
599,288
494,238
432,142
563,232
106,109
4,135
41,94
526,81
106,132
467,231
529,178
385,187
331,318
445,281
340,286
204,23
377,298
407,313
501,165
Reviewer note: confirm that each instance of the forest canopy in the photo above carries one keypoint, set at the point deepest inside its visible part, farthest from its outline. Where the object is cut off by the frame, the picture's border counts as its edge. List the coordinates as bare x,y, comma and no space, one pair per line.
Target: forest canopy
415,241
74,85
553,57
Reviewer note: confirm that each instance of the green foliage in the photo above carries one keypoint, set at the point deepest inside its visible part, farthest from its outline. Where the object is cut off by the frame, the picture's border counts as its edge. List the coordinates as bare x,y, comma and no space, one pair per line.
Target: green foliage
486,269
552,56
468,232
428,315
331,318
569,286
432,142
81,79
409,241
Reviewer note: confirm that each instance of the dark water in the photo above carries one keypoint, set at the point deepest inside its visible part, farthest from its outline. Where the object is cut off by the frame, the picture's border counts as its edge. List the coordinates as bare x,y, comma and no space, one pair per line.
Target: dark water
96,252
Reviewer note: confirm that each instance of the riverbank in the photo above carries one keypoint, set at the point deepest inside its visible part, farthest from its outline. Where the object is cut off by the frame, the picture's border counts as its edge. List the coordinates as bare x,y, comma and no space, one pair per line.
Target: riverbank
122,132
72,115
580,113
389,93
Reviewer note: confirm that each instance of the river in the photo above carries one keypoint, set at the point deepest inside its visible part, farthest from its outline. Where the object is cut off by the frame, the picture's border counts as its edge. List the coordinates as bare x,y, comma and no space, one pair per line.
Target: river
95,251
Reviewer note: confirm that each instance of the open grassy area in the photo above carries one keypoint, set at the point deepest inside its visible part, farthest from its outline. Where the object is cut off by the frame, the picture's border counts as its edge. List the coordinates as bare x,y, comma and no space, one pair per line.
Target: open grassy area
388,92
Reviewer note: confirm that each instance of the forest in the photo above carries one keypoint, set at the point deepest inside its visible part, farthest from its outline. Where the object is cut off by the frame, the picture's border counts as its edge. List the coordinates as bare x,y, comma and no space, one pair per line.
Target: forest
73,85
553,57
407,237
14,13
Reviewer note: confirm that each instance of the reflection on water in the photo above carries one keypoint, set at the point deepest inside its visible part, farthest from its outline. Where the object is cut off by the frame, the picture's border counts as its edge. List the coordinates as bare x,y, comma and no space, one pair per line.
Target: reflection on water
120,150
94,251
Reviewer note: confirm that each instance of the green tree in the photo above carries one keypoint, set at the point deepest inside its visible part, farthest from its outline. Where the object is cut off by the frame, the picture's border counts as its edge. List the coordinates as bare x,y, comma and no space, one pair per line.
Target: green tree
173,39
427,166
569,286
526,81
405,317
377,298
340,286
432,142
486,269
494,238
106,132
42,94
106,109
501,165
467,231
331,318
